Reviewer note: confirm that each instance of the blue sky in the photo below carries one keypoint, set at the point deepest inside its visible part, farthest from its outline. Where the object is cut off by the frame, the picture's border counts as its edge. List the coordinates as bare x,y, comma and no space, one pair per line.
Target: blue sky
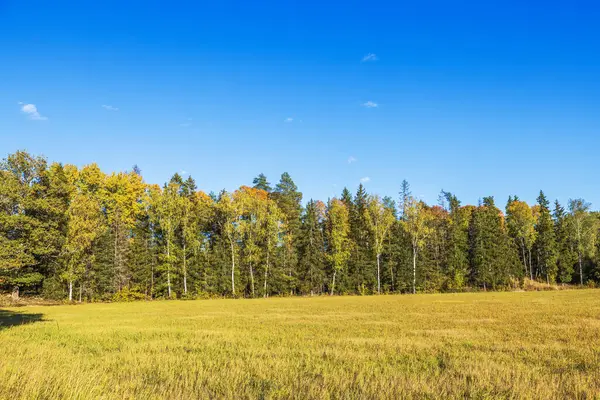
478,98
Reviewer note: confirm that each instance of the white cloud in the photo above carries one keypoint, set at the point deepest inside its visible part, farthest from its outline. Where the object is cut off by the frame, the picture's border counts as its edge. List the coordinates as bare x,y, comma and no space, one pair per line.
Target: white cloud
109,108
183,172
370,57
351,160
370,104
32,111
365,179
288,119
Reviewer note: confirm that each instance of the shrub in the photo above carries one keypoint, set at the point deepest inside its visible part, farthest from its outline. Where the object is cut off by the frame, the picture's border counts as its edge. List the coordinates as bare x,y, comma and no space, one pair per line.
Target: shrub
126,294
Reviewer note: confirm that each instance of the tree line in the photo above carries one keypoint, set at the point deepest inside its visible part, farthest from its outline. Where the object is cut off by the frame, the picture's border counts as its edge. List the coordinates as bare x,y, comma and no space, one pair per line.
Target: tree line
81,234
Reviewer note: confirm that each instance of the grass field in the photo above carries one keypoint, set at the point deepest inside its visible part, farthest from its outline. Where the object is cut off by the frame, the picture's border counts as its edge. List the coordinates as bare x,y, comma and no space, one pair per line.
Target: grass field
480,345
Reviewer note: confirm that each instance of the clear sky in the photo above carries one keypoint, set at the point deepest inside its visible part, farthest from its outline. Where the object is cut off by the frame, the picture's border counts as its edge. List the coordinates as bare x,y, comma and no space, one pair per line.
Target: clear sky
474,97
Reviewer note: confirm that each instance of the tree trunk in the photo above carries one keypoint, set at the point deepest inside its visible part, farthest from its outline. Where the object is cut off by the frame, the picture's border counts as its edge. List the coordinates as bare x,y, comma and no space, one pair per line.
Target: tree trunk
70,290
580,268
169,268
392,275
116,266
232,267
266,270
252,279
333,282
531,264
152,280
414,270
378,275
525,258
184,272
80,291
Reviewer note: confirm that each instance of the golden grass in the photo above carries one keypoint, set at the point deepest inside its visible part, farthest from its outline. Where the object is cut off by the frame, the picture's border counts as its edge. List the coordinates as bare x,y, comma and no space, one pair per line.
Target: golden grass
477,345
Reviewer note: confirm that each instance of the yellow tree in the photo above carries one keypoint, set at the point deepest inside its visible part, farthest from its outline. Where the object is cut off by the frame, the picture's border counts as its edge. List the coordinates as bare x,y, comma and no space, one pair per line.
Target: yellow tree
84,226
520,219
379,221
122,197
272,229
338,227
254,203
416,223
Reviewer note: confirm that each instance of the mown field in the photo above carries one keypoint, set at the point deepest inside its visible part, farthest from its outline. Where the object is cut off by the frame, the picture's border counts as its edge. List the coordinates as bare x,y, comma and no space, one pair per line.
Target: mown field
480,345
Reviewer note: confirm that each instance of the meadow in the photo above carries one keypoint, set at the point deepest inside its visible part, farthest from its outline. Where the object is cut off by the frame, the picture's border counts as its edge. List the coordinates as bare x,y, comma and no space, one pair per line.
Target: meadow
472,345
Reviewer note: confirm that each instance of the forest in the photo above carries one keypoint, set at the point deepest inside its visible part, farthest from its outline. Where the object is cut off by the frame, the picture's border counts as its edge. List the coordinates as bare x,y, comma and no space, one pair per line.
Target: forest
81,234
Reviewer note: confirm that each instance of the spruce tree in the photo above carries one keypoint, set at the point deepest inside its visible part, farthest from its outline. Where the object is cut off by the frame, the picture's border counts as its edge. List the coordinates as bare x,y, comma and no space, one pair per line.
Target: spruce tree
545,244
260,182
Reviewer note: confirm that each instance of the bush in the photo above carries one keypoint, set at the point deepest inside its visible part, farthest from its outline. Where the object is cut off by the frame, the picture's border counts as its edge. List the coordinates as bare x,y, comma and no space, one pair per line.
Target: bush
128,295
54,289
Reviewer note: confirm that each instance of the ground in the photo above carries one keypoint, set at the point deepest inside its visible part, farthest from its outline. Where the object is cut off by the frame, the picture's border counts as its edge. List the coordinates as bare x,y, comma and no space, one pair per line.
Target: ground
475,345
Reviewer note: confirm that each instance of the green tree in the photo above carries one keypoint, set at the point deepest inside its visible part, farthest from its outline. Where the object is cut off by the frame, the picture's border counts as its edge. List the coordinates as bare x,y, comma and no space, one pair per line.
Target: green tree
289,200
380,220
312,247
545,243
261,183
583,228
492,251
33,203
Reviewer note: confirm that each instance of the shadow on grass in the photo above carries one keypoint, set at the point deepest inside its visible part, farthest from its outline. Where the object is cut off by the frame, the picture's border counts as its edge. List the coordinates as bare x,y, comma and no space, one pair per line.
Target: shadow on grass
13,318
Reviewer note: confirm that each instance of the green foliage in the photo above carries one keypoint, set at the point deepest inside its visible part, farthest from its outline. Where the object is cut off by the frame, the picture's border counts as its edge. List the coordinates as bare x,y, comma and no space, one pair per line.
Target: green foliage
79,233
126,294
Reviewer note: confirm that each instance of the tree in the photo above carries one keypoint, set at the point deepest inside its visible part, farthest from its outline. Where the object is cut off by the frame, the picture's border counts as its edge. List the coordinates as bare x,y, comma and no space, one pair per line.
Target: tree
492,251
416,224
84,227
166,208
230,211
312,246
33,204
272,229
121,195
252,227
405,195
379,220
189,225
545,242
337,230
261,183
289,200
567,256
457,263
583,228
521,226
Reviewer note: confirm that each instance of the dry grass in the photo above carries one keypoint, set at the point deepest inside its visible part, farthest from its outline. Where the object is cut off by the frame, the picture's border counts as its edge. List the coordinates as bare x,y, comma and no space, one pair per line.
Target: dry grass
478,345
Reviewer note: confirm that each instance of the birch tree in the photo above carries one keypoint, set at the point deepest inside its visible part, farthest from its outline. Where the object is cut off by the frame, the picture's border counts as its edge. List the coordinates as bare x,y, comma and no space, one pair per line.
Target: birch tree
583,228
85,225
416,224
338,228
380,220
230,212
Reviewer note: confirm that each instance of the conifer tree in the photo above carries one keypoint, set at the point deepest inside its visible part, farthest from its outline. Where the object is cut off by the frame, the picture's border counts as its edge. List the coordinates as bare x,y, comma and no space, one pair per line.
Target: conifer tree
545,243
261,183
